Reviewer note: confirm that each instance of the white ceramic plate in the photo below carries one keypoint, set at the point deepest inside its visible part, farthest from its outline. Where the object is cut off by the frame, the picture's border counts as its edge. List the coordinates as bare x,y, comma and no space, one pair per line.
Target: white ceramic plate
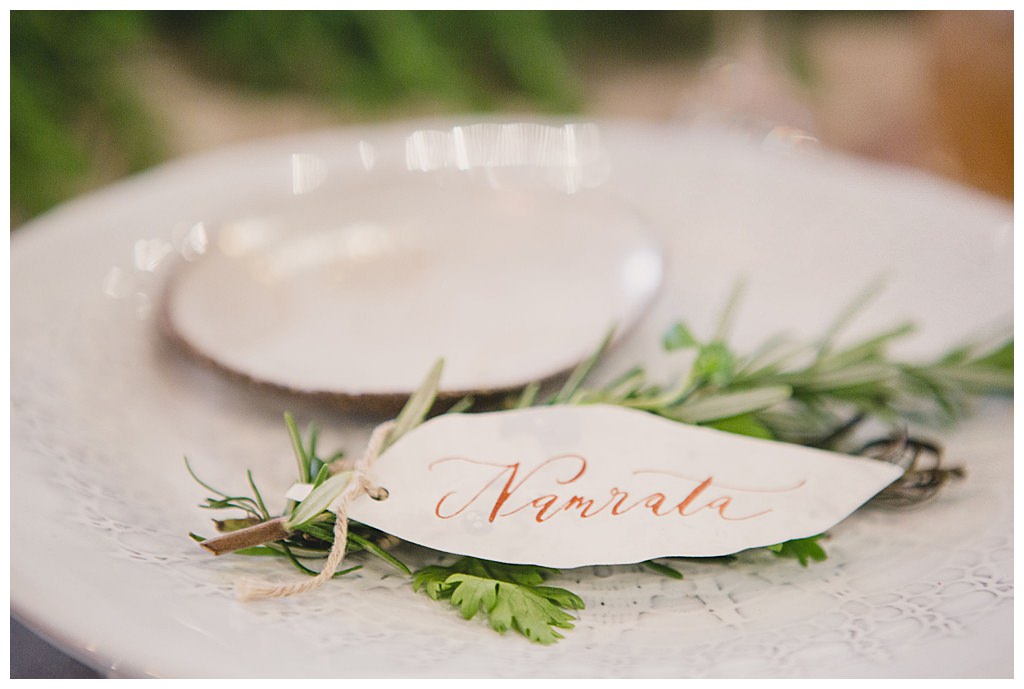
103,410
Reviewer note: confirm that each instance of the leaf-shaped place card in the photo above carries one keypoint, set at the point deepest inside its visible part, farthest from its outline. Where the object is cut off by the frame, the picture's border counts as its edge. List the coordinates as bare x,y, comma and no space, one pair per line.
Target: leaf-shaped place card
573,486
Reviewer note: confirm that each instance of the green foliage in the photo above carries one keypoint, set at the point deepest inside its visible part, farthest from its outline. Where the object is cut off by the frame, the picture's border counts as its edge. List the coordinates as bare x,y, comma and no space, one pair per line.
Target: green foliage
812,394
511,597
663,569
74,113
417,407
1001,359
744,424
802,549
678,337
309,523
311,527
77,121
318,500
806,393
371,59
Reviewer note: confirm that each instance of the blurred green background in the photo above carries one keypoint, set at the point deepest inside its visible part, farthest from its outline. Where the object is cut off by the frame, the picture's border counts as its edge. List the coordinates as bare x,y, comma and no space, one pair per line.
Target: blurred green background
97,95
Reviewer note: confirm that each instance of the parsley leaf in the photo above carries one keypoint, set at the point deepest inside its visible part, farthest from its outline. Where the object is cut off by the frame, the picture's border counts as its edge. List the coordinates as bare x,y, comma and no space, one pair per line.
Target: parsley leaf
509,596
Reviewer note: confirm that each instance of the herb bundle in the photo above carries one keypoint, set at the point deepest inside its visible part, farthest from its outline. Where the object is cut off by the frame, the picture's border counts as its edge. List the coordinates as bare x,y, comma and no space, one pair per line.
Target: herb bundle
815,394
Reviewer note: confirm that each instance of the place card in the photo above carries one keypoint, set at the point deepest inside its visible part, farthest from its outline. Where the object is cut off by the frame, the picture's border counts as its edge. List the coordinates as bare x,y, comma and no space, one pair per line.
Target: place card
568,486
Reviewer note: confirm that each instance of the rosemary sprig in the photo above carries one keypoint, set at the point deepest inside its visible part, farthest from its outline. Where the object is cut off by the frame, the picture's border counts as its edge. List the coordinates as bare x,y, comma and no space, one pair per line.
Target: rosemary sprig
805,394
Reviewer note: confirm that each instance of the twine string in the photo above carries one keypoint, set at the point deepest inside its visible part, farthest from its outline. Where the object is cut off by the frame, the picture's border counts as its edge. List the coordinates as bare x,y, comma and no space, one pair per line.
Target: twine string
359,484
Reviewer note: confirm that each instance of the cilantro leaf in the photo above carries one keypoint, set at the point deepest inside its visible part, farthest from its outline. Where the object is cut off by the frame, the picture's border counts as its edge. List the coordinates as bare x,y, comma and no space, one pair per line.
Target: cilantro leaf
509,596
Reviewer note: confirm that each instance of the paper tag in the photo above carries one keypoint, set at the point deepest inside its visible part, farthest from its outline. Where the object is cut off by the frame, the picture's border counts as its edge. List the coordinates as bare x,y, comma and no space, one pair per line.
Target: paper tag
299,491
573,486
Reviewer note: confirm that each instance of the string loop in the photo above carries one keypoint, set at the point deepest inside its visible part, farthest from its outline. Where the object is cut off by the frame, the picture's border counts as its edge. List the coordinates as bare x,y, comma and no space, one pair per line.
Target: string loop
359,484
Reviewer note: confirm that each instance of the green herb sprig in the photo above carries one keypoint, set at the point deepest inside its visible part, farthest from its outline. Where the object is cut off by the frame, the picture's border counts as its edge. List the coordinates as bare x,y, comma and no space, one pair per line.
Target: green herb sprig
509,596
815,394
